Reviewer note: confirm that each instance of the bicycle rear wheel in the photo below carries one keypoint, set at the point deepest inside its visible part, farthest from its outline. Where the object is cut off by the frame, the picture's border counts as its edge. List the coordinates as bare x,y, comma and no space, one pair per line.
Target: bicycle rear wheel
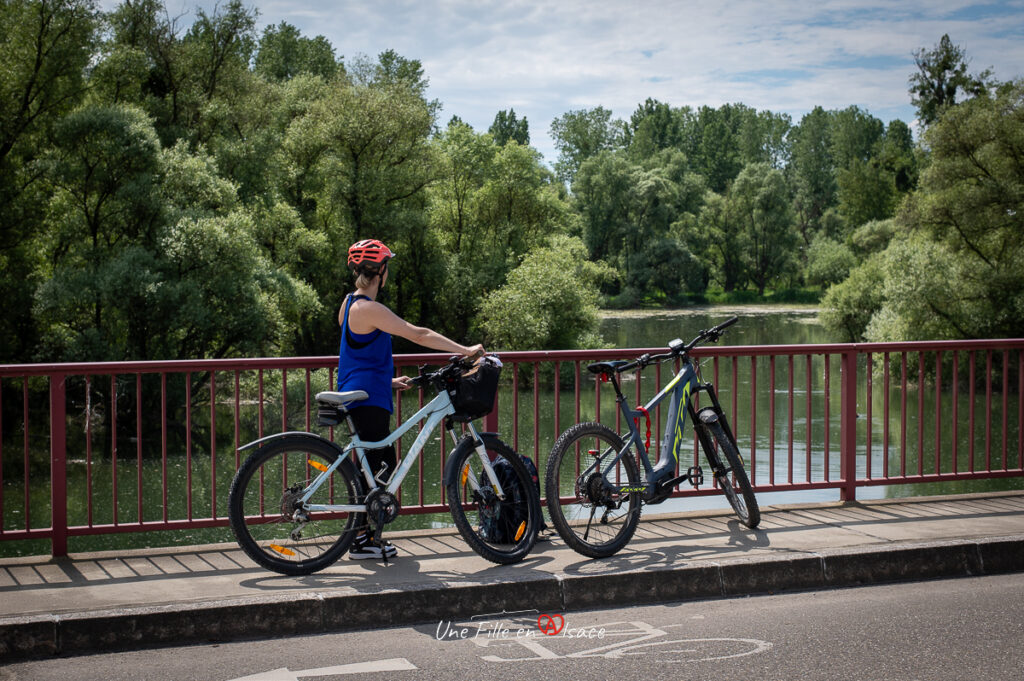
589,515
502,531
263,506
738,490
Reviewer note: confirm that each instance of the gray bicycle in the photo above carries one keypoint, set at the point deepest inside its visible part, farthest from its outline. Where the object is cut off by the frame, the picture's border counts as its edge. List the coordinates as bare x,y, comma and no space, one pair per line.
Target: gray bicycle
593,486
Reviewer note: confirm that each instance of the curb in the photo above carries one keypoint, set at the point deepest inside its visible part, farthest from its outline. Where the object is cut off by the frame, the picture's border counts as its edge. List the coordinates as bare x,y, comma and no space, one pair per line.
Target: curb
313,613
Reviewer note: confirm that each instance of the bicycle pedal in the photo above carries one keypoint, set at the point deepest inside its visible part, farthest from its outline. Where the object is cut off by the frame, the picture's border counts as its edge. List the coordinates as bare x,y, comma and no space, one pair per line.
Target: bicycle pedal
696,475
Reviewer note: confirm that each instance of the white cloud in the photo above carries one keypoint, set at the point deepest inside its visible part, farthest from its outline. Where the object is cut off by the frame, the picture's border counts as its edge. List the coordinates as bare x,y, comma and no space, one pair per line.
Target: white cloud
545,58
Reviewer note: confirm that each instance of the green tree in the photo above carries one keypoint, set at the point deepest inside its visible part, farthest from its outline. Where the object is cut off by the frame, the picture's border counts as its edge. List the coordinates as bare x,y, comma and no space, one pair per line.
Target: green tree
581,134
717,156
828,261
518,204
722,242
652,127
602,193
144,64
941,78
813,171
284,53
45,49
150,255
854,136
866,191
357,164
872,237
953,269
629,213
549,301
507,126
897,156
465,163
847,307
971,204
761,201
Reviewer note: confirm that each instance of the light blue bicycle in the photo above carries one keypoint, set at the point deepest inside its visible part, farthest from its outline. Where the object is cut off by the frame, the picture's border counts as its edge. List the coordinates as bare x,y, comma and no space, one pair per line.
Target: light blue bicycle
299,500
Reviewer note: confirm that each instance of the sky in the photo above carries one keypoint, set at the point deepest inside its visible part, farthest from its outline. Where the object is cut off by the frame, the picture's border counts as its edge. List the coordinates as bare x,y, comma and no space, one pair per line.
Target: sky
545,58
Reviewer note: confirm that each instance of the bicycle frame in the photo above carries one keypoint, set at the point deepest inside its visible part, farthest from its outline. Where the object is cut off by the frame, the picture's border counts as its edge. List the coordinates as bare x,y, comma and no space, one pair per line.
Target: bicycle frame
434,412
682,389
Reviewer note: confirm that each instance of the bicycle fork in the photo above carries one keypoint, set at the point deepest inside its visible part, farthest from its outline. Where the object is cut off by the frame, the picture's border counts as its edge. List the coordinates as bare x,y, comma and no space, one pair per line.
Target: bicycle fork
467,473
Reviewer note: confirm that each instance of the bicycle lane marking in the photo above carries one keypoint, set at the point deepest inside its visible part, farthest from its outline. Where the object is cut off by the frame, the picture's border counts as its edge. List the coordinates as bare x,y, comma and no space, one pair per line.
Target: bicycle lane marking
641,636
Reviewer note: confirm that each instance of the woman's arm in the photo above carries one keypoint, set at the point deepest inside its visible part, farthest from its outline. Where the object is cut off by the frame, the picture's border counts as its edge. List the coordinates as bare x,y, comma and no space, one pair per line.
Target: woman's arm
377,316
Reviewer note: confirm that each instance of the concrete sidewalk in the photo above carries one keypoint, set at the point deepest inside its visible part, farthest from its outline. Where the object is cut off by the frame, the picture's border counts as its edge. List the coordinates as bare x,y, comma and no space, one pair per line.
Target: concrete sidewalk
156,597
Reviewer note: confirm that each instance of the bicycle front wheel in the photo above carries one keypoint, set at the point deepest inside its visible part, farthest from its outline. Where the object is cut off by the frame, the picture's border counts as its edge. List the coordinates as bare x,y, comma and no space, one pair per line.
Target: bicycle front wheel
588,513
502,531
266,514
737,490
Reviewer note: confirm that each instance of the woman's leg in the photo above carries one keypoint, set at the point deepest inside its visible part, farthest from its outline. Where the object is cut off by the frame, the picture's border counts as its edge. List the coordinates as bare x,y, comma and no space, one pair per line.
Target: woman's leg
374,424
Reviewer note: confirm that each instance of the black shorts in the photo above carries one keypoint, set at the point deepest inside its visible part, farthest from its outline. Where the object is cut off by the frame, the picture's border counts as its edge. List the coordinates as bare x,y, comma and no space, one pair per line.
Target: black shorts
374,424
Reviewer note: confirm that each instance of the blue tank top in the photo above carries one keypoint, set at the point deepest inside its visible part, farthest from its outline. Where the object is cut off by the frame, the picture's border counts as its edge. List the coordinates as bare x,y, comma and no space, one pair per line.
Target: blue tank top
365,362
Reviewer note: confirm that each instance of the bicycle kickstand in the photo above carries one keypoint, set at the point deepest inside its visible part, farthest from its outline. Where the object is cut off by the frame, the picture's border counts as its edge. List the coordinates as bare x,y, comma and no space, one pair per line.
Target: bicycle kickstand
380,535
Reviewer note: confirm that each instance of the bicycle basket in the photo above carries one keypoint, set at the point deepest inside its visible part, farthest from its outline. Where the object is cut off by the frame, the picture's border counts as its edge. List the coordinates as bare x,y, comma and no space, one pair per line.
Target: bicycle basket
473,392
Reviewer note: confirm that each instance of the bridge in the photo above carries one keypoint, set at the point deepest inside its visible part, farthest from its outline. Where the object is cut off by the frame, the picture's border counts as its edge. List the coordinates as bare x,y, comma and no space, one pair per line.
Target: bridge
110,452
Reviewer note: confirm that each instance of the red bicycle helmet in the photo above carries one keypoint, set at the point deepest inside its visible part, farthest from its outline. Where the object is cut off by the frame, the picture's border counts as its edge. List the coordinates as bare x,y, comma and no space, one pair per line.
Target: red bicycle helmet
368,255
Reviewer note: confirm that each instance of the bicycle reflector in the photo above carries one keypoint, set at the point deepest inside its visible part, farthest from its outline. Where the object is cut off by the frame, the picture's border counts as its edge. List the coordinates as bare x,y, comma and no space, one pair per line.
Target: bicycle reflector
465,474
317,465
282,550
521,530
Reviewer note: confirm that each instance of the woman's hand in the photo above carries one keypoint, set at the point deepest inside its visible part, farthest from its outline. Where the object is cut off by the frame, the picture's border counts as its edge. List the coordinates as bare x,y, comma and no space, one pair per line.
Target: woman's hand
401,383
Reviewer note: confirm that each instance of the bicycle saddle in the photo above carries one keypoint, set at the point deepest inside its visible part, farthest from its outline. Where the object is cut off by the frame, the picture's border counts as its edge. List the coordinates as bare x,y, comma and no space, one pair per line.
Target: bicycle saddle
341,399
606,367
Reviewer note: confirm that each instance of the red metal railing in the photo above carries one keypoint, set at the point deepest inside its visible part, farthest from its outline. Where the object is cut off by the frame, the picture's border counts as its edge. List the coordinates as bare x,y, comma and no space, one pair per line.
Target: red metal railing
103,448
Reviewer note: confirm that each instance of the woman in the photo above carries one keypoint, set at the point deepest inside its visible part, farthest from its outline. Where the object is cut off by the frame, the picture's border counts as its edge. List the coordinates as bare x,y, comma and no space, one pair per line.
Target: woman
365,363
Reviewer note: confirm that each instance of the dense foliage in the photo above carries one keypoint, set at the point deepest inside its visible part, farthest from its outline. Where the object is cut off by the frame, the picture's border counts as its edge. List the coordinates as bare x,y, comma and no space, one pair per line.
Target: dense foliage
190,191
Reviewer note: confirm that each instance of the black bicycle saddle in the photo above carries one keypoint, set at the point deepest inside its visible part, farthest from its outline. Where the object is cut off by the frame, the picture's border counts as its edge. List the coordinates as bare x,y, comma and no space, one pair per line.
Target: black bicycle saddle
606,367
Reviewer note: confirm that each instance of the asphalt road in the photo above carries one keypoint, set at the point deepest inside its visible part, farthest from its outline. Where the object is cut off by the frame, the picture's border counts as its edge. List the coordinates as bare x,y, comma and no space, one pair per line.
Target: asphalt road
969,628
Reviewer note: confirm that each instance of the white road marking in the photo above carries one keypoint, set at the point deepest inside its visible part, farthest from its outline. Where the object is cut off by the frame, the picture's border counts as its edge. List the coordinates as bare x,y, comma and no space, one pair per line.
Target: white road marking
395,664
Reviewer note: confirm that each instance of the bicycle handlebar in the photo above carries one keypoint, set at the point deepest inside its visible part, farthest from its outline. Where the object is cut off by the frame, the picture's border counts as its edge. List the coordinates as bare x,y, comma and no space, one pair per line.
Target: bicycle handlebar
712,335
456,365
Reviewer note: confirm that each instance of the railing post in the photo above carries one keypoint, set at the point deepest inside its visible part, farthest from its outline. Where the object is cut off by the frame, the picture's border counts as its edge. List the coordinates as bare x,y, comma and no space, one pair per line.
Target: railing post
848,426
491,420
58,465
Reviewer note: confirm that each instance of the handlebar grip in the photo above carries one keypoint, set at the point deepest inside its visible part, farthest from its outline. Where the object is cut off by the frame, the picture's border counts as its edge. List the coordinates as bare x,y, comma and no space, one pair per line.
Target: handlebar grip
468,361
727,323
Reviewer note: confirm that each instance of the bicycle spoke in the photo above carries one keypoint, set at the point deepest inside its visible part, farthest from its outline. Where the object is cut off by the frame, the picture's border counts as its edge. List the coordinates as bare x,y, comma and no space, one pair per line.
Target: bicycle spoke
574,499
266,511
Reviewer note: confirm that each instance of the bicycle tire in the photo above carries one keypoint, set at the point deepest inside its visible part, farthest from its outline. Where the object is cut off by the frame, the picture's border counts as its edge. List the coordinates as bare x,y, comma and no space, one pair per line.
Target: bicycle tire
261,504
563,476
476,517
744,503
